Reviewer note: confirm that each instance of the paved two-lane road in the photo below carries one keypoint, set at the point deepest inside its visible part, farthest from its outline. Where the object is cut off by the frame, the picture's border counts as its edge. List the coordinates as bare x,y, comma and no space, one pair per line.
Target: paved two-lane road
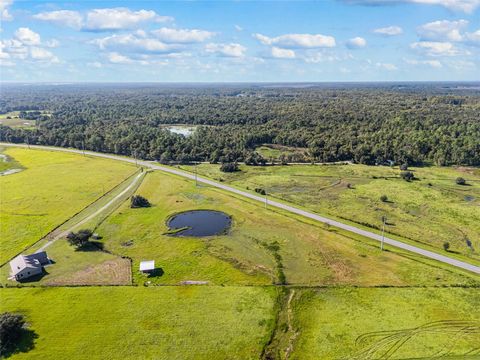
292,209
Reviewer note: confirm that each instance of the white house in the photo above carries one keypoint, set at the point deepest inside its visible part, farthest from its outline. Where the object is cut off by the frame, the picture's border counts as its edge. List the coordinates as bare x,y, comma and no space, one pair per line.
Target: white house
25,266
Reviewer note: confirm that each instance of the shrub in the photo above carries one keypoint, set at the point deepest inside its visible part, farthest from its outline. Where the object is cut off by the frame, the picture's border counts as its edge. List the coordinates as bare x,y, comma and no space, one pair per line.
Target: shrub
255,159
407,175
384,198
138,201
446,246
460,181
229,167
260,191
11,329
80,238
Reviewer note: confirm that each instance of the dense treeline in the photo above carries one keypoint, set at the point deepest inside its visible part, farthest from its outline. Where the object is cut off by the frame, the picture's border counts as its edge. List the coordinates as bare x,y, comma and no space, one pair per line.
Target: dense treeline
412,123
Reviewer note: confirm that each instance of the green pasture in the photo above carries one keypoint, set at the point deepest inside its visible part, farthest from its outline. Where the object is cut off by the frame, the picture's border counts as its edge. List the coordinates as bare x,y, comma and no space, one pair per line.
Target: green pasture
310,254
51,188
275,152
143,322
431,210
386,323
12,119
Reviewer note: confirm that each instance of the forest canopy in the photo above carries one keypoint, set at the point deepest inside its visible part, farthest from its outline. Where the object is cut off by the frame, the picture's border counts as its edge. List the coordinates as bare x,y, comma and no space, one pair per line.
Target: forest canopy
416,123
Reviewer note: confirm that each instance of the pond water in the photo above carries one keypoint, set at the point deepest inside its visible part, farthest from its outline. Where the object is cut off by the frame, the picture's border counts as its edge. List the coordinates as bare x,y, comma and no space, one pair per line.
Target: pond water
200,223
182,130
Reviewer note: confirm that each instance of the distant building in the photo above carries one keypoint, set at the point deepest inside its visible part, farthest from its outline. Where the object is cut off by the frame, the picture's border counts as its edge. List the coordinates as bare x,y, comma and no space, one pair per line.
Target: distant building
25,266
147,266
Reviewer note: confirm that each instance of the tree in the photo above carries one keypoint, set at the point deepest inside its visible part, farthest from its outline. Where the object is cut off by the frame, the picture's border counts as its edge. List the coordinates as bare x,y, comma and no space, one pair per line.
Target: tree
80,238
384,198
229,167
460,181
446,245
138,201
11,330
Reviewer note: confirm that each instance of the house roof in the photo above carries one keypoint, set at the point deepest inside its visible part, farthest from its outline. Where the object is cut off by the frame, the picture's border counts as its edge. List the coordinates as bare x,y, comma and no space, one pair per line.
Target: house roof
40,256
34,261
147,265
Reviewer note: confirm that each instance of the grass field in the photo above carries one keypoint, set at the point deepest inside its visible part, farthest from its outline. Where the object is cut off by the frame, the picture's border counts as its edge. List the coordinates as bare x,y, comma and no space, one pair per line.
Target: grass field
271,152
11,119
348,300
144,323
431,210
309,254
387,323
7,163
51,188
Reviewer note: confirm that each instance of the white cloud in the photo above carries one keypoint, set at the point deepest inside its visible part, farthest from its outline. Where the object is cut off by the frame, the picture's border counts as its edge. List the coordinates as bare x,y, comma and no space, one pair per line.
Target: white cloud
228,50
386,66
238,27
442,30
473,38
27,36
356,43
101,19
183,36
282,53
134,43
53,43
467,6
297,40
389,30
119,18
4,13
435,48
117,58
38,53
14,48
433,63
72,19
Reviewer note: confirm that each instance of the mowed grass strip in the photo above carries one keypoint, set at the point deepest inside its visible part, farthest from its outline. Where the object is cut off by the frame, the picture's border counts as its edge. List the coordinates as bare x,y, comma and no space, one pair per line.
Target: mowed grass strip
371,323
144,323
52,187
432,210
248,254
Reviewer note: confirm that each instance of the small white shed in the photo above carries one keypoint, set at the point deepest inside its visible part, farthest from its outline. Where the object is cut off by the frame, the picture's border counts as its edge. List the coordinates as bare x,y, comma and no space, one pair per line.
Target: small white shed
147,266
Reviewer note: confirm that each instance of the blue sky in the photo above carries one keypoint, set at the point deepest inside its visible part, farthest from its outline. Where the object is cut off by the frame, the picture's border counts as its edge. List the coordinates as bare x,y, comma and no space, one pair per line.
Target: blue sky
217,41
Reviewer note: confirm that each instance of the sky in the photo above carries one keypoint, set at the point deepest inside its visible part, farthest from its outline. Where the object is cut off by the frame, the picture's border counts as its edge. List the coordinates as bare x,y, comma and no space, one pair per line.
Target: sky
240,41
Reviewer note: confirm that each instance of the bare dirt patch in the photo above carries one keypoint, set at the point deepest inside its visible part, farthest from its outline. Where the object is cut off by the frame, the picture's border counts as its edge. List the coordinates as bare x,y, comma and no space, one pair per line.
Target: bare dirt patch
110,272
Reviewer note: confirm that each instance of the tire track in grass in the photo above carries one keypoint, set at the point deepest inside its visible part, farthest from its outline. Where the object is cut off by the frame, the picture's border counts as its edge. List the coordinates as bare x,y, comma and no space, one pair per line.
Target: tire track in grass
93,215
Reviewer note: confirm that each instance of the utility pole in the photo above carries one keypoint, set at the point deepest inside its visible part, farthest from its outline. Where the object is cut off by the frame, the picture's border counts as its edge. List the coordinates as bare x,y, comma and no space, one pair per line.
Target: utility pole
384,219
83,147
28,143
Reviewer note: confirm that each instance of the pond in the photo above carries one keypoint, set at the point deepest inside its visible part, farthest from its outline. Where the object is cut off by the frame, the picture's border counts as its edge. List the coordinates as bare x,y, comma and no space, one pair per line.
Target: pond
199,223
182,130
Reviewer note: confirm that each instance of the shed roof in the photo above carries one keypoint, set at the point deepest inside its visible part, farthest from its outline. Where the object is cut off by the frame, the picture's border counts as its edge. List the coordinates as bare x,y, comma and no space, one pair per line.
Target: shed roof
147,265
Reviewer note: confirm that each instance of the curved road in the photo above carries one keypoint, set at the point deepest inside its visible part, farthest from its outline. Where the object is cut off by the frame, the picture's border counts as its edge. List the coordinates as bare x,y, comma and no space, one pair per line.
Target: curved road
292,209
